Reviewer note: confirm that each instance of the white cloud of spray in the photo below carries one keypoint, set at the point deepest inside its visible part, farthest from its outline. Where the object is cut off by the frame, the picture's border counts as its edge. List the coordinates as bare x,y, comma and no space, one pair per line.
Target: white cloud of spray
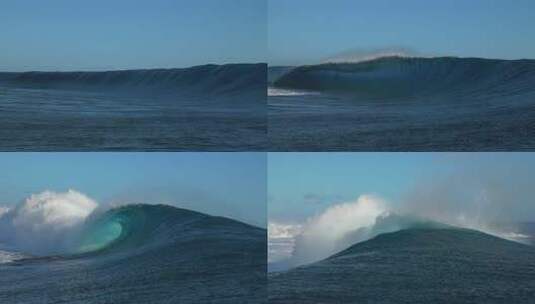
325,233
44,222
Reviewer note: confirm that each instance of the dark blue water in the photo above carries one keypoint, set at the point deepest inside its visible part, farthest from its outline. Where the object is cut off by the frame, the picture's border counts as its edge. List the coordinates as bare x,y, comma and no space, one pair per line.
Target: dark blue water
404,104
204,108
146,254
415,266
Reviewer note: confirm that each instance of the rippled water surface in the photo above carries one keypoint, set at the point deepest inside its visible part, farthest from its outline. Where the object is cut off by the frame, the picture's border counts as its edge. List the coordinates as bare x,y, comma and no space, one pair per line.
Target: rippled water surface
56,120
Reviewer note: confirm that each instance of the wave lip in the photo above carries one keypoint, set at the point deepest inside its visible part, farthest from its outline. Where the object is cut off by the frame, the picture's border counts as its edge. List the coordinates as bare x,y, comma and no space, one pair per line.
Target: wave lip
420,265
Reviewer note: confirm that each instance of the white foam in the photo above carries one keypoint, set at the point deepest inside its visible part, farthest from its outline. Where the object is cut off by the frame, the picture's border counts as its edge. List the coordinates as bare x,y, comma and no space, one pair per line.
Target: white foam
43,222
7,257
286,92
324,234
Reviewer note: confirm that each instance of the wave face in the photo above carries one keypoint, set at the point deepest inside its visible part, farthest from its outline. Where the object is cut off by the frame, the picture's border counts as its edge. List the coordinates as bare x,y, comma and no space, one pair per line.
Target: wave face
146,254
416,77
275,72
422,265
213,79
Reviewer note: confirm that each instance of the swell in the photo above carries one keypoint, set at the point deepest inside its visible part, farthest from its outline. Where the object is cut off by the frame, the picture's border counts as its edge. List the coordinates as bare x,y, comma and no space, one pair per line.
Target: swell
400,77
217,79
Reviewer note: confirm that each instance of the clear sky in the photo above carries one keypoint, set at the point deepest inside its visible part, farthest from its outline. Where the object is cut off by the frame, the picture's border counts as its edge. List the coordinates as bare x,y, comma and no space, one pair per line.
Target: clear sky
126,34
308,31
228,184
302,185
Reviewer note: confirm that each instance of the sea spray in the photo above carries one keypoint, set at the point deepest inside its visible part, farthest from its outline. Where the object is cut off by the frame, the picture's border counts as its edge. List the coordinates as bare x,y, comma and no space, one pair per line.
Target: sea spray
45,223
320,235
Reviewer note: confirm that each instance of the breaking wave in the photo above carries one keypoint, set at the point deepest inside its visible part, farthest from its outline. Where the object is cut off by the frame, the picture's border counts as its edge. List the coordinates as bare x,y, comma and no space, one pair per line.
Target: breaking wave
402,77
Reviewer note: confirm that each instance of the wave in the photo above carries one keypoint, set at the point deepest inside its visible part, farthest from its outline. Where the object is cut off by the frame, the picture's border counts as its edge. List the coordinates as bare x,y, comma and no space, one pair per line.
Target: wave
275,72
204,79
402,77
416,265
126,229
141,227
145,254
344,225
317,242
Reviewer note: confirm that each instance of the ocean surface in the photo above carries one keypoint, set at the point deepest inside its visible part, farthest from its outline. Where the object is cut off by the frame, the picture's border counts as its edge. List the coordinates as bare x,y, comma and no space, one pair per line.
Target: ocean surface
415,266
203,108
403,104
144,254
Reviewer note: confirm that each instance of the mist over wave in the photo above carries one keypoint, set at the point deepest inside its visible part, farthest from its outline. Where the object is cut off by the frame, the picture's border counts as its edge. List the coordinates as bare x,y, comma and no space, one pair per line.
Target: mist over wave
362,55
342,225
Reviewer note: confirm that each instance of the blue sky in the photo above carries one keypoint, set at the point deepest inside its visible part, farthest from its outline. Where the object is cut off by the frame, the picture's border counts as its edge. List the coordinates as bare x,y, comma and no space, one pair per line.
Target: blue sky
125,34
307,31
304,184
228,184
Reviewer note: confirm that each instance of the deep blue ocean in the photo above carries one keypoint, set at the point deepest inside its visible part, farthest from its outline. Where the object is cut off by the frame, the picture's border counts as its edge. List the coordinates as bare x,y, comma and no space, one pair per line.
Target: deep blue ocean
424,265
204,108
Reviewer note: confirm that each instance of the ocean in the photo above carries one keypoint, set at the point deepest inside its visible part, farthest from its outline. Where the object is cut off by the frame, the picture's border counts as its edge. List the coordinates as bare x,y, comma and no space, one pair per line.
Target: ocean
203,108
141,254
419,265
403,104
